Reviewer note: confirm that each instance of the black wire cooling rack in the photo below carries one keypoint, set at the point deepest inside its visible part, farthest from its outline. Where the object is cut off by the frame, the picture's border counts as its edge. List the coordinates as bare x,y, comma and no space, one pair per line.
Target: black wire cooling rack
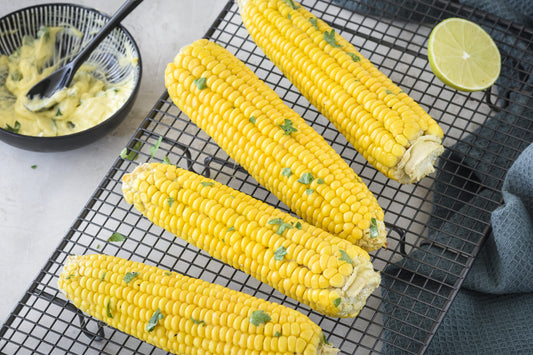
432,241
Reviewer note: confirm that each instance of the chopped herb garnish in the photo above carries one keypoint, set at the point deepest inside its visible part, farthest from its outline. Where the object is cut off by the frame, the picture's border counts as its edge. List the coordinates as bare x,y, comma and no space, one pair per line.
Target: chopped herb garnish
231,229
34,166
130,276
166,160
282,225
198,321
286,172
337,302
358,179
200,83
206,183
97,246
116,90
154,320
16,76
324,340
58,112
309,191
306,178
132,154
345,257
259,317
298,225
168,273
289,16
69,276
71,125
314,22
15,128
374,232
44,32
329,37
231,196
277,334
280,253
354,56
291,4
103,276
389,92
155,147
170,201
252,119
319,181
108,309
287,127
116,237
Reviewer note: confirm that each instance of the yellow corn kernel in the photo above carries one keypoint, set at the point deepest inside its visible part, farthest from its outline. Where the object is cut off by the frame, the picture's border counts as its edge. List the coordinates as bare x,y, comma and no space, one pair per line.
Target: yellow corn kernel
346,88
289,254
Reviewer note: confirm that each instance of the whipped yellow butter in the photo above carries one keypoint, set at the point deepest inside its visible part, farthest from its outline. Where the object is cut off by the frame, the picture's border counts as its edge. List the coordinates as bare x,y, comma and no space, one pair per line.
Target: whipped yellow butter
88,100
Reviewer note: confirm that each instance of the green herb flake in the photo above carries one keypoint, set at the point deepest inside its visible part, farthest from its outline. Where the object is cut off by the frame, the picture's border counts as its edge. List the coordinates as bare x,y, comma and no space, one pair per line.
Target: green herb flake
314,22
116,90
34,166
16,76
155,147
345,257
231,229
98,246
200,83
166,160
358,179
289,16
59,113
168,273
280,253
374,231
291,4
132,155
389,92
116,237
71,125
259,317
282,225
324,340
286,172
337,302
69,276
103,276
298,225
152,322
309,191
329,37
108,309
277,334
170,201
15,128
232,196
130,276
200,322
354,57
252,120
306,178
287,127
207,183
319,181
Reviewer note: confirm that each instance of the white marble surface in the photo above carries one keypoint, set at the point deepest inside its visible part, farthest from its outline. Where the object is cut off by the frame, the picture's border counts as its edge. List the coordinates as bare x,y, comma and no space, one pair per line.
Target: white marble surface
38,205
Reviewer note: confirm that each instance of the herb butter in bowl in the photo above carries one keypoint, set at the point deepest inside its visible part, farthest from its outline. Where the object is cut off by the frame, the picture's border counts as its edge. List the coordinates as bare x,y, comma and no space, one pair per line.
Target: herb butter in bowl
37,40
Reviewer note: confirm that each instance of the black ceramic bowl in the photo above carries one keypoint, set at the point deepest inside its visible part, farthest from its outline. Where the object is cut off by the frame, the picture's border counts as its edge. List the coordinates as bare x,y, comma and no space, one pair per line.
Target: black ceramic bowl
27,21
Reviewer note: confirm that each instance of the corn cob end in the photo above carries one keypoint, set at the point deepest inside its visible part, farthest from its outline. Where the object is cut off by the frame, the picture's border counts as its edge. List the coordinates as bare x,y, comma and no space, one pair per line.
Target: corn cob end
418,160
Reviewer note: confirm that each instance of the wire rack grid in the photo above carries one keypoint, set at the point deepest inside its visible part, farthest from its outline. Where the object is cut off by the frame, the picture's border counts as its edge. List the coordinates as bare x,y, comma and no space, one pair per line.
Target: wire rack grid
421,273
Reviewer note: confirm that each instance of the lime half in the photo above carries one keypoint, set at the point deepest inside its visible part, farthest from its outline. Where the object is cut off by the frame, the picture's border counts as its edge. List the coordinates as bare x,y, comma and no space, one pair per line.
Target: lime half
463,56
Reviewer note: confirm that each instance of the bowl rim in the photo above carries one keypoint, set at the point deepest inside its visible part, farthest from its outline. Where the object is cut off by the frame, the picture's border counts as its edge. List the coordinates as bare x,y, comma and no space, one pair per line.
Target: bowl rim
127,103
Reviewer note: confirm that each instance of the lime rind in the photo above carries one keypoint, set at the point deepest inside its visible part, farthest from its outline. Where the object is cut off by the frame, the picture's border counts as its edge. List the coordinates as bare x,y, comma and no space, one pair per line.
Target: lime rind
463,56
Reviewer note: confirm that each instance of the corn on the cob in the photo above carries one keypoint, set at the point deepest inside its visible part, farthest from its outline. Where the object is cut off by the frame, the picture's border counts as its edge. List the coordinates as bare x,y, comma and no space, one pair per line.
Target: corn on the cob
329,274
184,315
250,122
382,122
